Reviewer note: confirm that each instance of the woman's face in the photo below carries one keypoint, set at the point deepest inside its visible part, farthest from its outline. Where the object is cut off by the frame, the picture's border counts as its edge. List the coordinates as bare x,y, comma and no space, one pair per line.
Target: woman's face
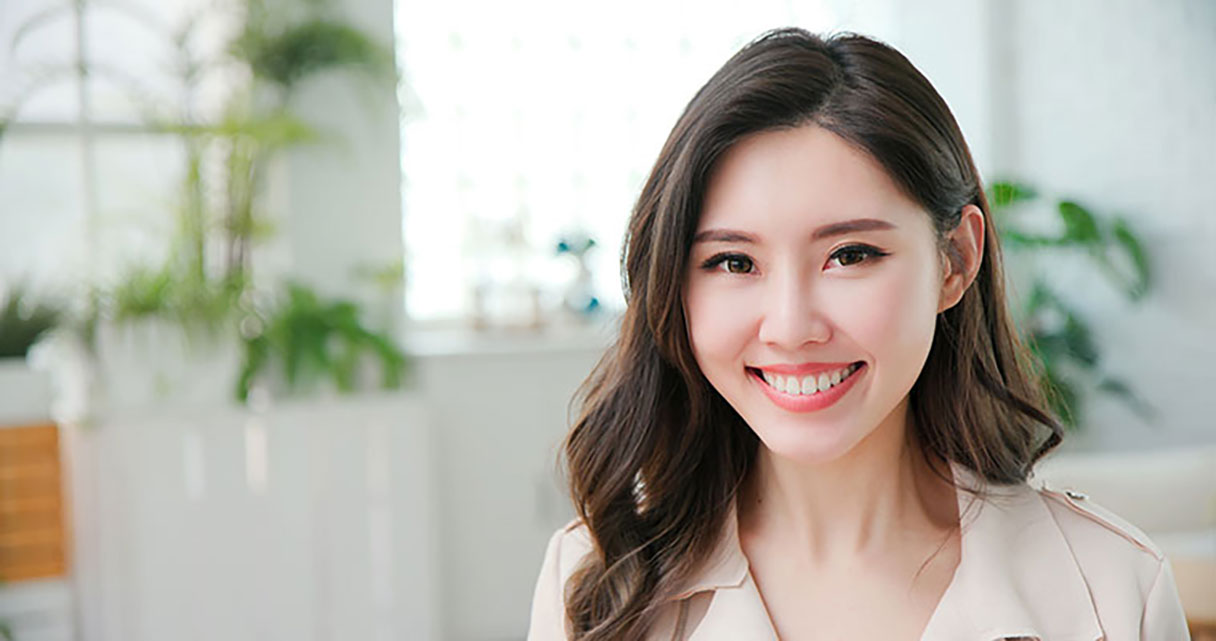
811,270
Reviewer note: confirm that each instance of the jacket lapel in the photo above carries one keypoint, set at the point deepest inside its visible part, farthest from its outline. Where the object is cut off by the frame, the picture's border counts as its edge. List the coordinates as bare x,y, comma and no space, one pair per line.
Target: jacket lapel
1016,578
736,610
735,614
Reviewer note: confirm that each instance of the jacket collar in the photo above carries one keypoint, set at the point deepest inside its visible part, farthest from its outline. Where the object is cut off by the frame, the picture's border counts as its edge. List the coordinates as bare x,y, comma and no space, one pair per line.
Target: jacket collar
726,567
1017,577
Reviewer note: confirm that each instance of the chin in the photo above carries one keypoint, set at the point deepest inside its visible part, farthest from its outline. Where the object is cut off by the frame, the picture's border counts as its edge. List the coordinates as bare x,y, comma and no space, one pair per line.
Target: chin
807,444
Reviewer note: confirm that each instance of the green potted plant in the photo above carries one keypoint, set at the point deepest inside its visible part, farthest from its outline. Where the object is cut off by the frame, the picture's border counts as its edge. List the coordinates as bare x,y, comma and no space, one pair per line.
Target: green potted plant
1055,329
183,324
314,341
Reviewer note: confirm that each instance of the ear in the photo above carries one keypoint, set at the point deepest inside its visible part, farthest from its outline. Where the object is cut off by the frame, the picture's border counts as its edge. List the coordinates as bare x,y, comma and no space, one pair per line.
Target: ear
965,253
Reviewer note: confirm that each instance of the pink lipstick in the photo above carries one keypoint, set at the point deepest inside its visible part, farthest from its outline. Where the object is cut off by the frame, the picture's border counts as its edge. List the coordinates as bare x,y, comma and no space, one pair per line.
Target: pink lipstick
806,402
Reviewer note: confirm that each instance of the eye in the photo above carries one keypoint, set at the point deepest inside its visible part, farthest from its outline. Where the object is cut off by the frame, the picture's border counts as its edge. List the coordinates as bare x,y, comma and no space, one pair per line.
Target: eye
730,263
856,254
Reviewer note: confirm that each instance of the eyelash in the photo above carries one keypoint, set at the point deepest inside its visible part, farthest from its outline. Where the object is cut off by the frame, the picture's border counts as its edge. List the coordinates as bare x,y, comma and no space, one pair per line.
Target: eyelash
872,254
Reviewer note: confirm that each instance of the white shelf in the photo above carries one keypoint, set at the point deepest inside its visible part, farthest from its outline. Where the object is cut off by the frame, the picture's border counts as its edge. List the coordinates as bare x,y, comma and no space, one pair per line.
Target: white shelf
465,341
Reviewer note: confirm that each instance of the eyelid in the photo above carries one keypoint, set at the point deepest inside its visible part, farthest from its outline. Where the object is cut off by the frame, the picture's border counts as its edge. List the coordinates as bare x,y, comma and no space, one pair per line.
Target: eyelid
713,262
871,253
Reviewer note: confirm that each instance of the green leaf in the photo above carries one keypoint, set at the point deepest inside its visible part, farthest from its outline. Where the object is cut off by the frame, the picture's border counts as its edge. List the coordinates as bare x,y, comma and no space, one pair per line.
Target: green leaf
1127,240
23,321
1018,240
1040,296
1079,341
288,57
1004,193
314,338
143,292
386,276
1080,227
257,353
278,129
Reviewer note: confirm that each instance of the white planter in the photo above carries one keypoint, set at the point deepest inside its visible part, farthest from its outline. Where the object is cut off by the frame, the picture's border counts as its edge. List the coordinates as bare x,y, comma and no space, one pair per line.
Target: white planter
154,362
25,394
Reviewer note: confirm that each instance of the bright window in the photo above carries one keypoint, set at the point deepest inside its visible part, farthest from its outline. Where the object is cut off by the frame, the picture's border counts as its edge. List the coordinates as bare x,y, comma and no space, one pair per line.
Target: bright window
86,185
527,120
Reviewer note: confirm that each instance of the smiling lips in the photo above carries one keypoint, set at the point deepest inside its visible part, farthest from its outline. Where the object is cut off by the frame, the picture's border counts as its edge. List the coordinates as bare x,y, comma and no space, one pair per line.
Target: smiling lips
806,388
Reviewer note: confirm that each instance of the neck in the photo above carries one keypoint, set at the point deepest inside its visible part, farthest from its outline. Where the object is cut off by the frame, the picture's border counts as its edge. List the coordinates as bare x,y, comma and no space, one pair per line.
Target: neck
863,504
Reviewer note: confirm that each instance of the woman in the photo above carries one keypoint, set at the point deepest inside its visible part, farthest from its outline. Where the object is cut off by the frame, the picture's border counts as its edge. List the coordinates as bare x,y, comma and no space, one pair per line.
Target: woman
817,422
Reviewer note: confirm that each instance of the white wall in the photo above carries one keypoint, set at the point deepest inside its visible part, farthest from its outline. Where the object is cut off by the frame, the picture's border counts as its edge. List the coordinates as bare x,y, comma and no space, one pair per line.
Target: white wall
498,420
1114,103
344,196
946,40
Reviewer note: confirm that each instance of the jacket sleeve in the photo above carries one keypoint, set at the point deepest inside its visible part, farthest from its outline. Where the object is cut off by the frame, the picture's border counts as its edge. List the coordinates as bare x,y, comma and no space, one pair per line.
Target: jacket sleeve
1163,618
548,622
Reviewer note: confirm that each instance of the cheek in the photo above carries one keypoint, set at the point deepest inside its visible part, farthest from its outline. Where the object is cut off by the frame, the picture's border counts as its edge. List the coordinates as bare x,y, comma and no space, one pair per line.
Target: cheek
893,317
717,330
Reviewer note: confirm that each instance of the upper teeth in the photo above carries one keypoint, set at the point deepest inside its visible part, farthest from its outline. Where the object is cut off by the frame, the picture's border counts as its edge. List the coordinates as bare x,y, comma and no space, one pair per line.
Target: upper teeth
808,384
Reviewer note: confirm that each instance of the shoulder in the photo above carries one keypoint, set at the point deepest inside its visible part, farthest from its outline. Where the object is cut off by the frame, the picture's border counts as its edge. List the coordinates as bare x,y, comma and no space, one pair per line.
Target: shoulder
567,547
1129,578
1110,551
1082,519
1082,522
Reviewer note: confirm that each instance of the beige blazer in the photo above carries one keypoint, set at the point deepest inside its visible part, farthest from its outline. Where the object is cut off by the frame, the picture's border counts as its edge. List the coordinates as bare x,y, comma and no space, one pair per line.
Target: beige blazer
1035,563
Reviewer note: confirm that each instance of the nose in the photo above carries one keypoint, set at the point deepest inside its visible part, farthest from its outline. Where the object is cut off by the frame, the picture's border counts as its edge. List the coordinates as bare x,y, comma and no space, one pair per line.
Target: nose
791,317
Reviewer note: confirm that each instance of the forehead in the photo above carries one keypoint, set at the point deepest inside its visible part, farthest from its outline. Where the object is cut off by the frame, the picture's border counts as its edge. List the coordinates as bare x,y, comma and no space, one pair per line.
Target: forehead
804,177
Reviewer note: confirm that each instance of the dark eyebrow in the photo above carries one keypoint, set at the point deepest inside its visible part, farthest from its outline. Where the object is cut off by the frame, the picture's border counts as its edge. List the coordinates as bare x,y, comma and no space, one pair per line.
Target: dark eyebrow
827,231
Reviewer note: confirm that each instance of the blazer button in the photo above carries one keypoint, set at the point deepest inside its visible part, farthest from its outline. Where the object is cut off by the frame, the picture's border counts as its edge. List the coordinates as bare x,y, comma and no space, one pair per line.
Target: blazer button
1073,494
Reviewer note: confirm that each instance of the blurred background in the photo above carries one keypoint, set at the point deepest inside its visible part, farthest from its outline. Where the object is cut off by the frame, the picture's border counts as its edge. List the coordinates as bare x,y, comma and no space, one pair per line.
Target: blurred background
294,294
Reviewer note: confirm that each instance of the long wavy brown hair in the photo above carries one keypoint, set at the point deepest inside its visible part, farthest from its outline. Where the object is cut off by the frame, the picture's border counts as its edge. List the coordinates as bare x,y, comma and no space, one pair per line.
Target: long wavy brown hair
656,454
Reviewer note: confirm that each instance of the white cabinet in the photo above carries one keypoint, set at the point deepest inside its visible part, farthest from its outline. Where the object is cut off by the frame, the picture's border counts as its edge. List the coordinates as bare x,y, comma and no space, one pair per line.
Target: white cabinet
308,520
